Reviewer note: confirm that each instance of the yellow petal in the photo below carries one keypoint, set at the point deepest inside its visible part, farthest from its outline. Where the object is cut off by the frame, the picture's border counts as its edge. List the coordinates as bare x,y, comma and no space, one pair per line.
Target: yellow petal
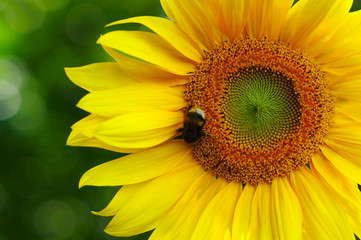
78,139
343,149
346,190
99,76
286,215
169,31
148,47
196,19
308,17
344,65
276,17
145,72
89,124
340,119
266,18
137,167
227,235
128,191
135,97
173,222
343,163
124,194
260,220
342,43
140,129
323,217
348,87
241,220
336,179
231,16
346,134
153,200
216,219
202,201
75,137
83,134
350,109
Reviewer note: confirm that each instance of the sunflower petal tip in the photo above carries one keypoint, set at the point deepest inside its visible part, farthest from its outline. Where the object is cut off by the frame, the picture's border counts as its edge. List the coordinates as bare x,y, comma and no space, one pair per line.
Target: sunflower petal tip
70,141
110,24
69,72
82,181
80,103
94,212
112,230
109,230
100,39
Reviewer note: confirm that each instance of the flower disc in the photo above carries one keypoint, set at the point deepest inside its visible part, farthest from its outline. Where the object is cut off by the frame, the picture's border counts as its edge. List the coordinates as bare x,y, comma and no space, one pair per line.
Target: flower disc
268,108
261,110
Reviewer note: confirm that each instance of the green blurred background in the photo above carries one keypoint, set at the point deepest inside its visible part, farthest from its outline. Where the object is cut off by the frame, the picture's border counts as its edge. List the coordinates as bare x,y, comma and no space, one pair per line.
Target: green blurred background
39,197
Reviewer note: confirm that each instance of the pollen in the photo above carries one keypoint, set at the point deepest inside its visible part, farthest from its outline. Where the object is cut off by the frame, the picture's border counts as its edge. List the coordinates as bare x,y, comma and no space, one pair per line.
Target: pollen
268,108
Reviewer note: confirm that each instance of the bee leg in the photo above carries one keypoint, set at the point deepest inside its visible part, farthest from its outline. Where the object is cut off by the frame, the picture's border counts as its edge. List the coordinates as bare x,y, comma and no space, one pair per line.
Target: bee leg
180,130
189,107
204,122
205,134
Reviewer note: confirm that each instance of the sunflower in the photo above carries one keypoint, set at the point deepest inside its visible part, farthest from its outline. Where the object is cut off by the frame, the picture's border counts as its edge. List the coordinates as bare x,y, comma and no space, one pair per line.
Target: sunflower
277,154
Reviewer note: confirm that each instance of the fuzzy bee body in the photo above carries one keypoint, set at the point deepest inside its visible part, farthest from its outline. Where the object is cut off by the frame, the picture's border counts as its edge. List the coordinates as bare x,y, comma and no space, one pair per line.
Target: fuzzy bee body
193,125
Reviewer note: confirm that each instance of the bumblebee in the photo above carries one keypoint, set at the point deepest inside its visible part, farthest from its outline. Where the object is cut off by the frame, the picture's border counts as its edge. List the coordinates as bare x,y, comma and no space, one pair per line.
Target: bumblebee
193,125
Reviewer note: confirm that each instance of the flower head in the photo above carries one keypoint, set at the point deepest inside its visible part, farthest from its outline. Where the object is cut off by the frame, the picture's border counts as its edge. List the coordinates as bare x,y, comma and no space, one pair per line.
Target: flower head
267,96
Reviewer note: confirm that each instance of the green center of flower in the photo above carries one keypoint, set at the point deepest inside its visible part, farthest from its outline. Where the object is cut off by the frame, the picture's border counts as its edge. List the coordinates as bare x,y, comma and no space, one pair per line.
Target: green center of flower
268,108
260,106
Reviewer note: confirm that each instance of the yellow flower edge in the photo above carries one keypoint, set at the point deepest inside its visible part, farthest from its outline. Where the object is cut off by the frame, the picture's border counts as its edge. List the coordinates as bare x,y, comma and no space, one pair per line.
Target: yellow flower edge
138,103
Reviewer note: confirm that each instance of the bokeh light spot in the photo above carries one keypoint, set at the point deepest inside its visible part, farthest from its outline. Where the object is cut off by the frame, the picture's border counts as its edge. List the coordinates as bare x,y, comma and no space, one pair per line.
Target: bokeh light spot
3,4
24,16
55,219
10,100
10,73
31,113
